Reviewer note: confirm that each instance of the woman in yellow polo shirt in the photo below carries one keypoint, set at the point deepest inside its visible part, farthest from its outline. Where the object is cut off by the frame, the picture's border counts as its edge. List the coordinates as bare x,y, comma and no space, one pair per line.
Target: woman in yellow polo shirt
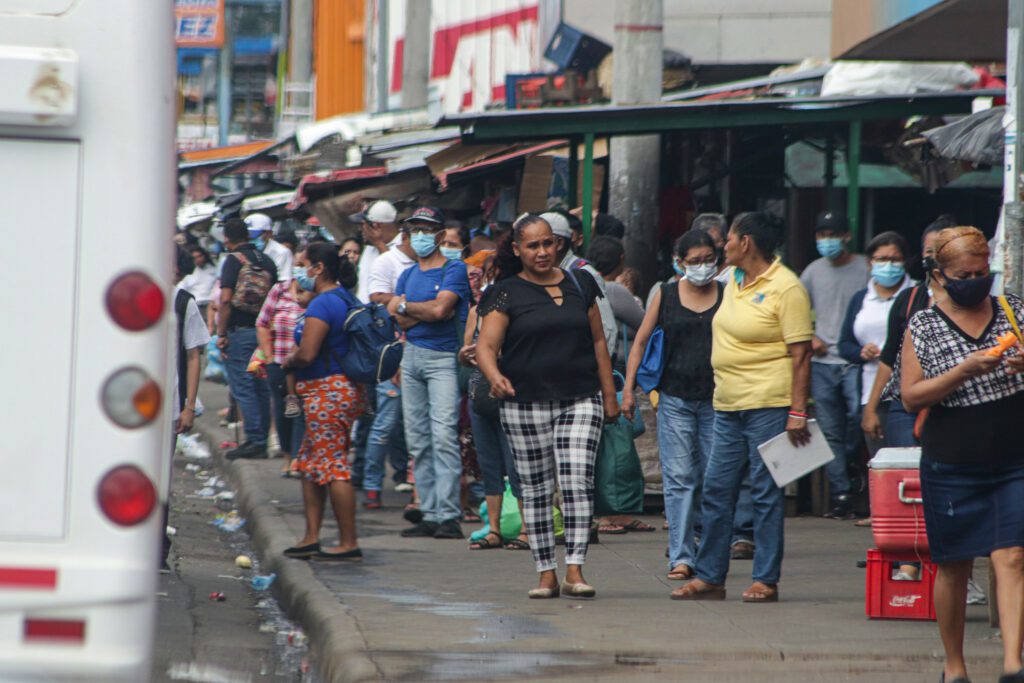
761,352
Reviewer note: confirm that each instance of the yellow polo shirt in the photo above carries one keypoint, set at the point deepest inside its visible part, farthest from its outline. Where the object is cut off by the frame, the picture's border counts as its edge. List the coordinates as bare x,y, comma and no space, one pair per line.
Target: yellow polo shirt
750,332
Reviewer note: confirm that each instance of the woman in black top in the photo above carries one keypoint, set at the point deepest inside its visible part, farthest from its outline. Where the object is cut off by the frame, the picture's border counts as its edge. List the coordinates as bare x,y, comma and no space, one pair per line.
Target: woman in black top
555,378
686,418
972,465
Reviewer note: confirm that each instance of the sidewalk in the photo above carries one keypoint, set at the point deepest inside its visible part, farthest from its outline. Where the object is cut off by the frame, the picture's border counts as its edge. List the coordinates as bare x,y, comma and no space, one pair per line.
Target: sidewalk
424,609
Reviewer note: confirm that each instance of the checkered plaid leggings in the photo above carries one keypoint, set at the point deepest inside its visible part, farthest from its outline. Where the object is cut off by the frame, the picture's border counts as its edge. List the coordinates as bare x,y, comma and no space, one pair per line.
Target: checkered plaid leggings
545,435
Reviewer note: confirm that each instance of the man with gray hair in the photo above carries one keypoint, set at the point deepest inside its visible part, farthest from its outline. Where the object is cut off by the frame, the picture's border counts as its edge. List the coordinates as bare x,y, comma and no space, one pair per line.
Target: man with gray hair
717,227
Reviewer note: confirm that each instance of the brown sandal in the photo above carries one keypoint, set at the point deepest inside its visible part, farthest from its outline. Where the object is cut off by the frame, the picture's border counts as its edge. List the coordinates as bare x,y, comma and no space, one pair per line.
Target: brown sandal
699,590
680,572
761,592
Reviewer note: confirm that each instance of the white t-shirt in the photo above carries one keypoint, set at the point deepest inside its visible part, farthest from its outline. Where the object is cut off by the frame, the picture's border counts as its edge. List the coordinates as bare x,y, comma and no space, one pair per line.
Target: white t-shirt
366,261
282,258
386,271
193,335
200,283
871,326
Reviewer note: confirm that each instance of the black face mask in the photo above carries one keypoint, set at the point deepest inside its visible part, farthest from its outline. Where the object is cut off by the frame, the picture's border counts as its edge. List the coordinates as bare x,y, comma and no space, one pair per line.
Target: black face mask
968,293
928,263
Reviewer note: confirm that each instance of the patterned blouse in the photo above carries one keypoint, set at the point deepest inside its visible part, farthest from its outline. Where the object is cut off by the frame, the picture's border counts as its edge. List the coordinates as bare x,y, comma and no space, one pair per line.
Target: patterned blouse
279,314
941,346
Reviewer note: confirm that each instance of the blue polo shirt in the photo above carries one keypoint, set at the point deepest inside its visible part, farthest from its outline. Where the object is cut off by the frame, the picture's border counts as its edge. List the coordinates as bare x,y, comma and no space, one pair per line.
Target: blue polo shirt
424,285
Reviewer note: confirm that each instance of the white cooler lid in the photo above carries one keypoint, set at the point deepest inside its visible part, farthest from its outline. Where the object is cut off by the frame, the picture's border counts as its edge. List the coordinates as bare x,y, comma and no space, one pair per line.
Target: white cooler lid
896,459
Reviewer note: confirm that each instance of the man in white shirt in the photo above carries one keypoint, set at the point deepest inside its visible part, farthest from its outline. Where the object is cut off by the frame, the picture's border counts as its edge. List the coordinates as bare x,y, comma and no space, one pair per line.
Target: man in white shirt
261,231
386,270
380,233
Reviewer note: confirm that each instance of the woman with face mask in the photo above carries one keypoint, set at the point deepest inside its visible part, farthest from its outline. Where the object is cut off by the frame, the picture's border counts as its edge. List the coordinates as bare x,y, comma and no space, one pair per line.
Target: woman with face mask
867,317
331,403
684,310
972,470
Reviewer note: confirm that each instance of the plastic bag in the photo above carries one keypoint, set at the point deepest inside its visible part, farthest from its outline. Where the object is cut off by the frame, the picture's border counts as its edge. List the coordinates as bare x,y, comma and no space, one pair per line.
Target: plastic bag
618,475
511,520
215,370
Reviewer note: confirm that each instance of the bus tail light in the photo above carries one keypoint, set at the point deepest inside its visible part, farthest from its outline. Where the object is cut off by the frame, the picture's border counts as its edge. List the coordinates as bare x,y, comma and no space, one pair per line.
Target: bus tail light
55,630
131,398
134,301
126,495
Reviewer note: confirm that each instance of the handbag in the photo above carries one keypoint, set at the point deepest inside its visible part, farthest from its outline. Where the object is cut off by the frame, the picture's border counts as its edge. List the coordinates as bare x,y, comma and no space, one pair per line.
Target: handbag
618,476
479,392
637,423
648,375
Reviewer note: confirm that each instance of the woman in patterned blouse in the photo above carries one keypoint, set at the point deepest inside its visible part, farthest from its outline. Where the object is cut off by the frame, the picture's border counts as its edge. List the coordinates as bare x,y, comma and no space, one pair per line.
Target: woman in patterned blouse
972,464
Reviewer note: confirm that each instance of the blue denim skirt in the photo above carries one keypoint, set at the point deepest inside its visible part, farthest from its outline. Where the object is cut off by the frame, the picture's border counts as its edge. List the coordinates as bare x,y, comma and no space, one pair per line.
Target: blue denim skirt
971,510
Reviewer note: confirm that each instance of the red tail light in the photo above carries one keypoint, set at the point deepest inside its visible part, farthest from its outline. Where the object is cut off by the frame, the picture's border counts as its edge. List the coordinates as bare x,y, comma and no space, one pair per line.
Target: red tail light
134,301
126,495
59,630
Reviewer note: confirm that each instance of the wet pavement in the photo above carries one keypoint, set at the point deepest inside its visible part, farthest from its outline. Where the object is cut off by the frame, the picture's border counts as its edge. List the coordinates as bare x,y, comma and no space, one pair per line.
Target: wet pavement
425,609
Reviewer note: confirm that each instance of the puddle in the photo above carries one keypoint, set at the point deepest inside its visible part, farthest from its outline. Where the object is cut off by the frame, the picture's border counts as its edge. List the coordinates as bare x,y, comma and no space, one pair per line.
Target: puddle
465,666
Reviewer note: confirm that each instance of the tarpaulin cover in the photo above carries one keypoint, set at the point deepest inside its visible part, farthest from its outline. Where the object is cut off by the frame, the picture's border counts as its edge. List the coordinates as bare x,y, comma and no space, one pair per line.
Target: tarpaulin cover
977,138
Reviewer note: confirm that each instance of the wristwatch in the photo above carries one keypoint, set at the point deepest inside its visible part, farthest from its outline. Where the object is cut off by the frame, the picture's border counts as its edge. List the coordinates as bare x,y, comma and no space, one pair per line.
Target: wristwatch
401,308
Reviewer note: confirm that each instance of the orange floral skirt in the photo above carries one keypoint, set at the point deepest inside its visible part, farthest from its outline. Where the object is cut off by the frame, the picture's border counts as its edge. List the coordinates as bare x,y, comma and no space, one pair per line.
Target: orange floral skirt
331,405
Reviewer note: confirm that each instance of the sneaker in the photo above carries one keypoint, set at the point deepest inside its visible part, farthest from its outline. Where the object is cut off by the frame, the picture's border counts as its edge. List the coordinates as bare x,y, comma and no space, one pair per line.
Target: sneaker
742,550
421,530
842,508
413,515
372,501
403,487
247,451
975,596
292,406
273,444
448,529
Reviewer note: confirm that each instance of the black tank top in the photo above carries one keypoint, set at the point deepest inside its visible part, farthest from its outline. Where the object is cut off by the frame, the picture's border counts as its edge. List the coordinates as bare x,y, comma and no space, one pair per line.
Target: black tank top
687,370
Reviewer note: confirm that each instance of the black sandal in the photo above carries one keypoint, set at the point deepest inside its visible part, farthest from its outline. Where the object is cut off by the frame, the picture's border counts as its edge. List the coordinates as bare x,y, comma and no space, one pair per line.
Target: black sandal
302,552
516,544
486,544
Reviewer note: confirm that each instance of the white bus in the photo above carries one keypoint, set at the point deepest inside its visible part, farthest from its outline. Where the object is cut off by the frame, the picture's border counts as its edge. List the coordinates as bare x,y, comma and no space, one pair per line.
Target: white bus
87,194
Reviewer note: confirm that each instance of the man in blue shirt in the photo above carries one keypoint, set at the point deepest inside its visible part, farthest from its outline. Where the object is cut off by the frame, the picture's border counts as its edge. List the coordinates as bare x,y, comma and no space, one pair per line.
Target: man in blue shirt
431,303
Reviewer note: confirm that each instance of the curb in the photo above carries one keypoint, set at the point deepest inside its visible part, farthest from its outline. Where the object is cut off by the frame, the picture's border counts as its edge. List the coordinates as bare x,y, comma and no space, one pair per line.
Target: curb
335,639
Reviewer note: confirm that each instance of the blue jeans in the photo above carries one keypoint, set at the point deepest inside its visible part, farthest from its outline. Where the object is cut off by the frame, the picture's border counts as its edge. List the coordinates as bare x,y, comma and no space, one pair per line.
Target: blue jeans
836,391
494,455
290,430
899,427
685,430
430,394
737,436
251,394
386,439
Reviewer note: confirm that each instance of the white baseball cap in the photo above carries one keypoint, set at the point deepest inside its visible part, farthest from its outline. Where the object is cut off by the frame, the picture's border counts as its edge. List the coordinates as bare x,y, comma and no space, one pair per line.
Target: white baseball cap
559,225
381,211
258,223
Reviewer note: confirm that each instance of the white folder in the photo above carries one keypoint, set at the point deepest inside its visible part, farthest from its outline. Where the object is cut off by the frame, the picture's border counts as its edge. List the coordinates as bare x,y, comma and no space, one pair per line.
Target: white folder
787,463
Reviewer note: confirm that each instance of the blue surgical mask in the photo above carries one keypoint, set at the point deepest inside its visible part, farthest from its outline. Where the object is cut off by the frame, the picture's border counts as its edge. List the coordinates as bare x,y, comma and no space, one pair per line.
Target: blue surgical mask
259,243
423,243
679,268
888,274
302,278
830,247
451,253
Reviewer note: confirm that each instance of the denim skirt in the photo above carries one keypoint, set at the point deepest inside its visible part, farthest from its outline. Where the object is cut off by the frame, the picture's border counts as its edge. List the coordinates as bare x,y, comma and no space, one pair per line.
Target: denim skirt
971,510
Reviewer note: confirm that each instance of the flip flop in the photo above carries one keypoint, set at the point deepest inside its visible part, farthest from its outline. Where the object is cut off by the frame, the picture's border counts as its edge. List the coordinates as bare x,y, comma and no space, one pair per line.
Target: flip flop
486,544
680,573
637,525
610,528
516,544
699,590
761,592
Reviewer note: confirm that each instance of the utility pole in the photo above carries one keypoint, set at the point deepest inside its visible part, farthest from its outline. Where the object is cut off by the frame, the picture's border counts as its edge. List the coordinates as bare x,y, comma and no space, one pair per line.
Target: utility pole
300,50
416,54
225,68
383,19
635,160
1013,209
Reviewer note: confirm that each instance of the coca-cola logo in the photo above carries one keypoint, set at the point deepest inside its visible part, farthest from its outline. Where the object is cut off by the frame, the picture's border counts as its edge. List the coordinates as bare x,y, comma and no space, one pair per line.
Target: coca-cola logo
904,600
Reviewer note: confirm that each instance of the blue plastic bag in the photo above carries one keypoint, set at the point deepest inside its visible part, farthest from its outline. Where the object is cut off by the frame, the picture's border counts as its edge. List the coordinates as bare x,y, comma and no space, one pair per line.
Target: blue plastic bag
215,370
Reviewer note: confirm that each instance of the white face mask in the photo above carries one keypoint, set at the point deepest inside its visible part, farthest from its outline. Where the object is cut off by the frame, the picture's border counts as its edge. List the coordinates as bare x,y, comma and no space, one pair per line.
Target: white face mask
702,274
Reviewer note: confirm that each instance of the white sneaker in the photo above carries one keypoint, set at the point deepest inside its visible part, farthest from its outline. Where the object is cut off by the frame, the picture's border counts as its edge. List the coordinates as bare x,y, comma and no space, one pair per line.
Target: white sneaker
404,487
273,444
975,596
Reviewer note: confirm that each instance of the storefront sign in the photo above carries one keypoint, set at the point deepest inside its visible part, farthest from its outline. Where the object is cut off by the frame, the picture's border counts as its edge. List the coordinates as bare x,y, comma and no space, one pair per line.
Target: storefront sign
199,23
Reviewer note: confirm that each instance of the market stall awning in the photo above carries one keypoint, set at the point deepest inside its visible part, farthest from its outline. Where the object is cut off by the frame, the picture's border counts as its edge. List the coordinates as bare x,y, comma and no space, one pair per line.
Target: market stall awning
265,202
319,184
967,30
495,158
640,119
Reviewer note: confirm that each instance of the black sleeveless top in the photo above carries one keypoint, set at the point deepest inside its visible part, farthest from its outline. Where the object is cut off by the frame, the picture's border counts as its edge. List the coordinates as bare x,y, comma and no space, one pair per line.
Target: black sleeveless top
687,370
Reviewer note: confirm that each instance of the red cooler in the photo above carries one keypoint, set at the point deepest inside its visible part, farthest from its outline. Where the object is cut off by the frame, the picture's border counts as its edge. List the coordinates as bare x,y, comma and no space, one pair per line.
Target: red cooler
897,517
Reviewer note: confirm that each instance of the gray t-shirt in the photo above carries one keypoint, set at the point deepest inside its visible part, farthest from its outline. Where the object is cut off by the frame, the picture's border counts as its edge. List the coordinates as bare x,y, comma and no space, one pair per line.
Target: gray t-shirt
831,287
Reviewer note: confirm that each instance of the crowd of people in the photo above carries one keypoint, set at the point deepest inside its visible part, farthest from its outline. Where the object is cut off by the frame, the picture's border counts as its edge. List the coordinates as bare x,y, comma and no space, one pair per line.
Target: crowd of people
512,340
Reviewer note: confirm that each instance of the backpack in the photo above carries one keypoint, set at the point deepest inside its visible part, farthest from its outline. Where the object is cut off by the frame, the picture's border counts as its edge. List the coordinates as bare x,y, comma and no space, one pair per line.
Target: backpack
374,342
251,288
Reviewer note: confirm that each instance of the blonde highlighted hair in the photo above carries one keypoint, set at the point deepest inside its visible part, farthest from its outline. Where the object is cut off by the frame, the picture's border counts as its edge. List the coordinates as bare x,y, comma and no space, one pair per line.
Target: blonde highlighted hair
959,241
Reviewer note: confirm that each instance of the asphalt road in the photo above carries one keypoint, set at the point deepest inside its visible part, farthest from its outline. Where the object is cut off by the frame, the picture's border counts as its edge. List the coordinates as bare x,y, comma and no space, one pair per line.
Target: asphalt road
244,638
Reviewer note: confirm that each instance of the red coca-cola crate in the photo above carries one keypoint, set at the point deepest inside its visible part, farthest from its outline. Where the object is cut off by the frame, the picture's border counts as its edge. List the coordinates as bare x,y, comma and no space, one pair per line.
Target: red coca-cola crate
897,517
885,597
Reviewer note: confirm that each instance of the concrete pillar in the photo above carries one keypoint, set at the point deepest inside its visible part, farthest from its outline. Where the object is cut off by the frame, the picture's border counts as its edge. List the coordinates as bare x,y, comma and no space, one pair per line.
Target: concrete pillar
416,55
224,71
300,41
635,160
